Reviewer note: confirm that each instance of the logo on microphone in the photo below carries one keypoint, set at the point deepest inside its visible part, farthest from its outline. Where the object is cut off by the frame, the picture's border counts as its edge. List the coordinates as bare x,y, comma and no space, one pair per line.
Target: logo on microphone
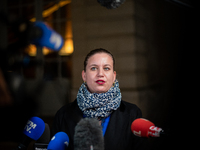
154,131
30,125
53,138
56,40
137,133
66,143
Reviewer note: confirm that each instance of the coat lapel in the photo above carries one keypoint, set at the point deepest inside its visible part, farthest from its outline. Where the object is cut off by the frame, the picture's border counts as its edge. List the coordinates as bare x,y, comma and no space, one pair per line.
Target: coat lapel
116,129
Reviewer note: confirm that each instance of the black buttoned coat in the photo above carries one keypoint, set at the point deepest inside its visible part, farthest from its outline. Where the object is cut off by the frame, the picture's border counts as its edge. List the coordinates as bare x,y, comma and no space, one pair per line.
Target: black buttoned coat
118,134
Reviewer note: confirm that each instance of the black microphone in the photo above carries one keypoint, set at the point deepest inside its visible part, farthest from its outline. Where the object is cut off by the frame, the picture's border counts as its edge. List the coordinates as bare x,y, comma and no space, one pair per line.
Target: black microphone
88,135
42,142
111,4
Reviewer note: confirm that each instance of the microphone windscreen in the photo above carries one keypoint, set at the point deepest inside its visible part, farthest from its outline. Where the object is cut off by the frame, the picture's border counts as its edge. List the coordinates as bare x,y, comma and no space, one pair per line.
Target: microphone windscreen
34,128
140,127
59,141
45,137
88,132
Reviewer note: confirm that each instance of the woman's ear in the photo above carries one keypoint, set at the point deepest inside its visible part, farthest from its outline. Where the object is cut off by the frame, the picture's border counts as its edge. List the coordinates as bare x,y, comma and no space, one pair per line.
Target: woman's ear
84,76
115,74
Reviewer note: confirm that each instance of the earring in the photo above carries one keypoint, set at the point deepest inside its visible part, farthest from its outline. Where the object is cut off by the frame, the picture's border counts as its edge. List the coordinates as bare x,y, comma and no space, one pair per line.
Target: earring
113,84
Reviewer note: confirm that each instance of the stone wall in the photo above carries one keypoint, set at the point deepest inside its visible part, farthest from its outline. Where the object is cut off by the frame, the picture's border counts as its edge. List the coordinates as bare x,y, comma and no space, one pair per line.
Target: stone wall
144,37
95,26
121,31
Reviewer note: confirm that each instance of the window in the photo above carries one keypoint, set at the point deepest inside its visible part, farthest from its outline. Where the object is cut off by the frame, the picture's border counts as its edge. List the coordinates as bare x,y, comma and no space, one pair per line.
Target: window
56,14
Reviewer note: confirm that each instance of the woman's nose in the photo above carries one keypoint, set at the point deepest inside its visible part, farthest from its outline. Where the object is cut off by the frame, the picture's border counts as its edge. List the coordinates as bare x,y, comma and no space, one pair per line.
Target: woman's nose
100,72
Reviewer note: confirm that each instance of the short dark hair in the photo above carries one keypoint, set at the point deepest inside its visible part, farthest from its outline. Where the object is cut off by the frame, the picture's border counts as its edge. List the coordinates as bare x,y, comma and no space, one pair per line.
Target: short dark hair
95,51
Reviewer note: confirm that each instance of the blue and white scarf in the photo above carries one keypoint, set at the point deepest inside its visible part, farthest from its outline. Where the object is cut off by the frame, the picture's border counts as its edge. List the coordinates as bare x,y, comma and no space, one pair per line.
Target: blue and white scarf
98,105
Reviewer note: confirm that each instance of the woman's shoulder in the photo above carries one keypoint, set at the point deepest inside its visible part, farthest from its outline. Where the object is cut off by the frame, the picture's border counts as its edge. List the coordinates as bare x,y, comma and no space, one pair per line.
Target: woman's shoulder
129,105
130,108
67,108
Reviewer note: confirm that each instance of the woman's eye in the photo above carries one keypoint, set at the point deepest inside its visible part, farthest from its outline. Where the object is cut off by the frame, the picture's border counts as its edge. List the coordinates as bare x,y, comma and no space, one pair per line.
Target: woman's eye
93,68
106,68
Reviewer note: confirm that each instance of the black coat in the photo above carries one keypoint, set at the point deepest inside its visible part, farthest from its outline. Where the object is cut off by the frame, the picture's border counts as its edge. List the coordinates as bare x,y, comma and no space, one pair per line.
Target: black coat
118,135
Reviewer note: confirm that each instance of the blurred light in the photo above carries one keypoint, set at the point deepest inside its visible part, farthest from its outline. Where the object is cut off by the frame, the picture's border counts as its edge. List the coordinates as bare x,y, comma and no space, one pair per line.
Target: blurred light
52,9
68,48
32,50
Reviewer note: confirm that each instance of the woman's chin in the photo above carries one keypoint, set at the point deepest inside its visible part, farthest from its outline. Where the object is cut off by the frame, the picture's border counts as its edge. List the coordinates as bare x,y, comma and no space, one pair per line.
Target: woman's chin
100,91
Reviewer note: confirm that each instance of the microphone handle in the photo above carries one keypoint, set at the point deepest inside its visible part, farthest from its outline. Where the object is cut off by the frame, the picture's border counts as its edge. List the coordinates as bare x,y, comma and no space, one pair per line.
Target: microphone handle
24,144
21,147
162,133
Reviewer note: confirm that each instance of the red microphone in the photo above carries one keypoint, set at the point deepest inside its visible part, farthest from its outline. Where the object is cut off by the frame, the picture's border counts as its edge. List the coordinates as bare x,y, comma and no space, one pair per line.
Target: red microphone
144,128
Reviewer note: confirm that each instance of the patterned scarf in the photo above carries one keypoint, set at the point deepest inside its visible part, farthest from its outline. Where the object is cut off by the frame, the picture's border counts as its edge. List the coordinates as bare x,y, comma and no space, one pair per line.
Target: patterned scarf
98,105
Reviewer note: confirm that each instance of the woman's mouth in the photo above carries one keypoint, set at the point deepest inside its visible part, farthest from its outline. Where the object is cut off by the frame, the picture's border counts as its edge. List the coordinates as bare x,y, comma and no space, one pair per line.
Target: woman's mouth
100,82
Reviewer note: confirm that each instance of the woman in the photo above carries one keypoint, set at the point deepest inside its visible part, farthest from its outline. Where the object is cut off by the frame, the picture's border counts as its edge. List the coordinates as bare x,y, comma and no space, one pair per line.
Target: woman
100,97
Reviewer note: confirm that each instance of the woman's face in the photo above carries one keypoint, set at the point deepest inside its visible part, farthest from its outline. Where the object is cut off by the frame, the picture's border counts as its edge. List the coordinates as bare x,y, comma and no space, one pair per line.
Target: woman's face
99,75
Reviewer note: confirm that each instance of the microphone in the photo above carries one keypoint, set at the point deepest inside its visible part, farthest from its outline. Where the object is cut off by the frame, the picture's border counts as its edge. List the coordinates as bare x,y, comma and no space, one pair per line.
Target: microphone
111,4
43,141
43,35
144,128
59,141
32,131
88,135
